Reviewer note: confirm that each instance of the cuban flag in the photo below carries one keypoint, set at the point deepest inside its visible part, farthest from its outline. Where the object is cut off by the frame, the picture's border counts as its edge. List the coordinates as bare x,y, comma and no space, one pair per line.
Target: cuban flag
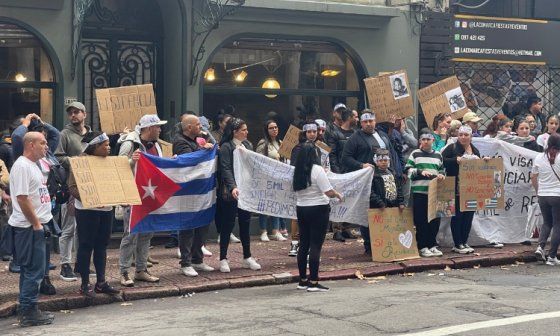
177,194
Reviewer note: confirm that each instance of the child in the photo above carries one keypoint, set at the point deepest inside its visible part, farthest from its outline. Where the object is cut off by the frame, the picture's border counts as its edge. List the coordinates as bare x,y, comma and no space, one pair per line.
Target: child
386,190
423,165
551,127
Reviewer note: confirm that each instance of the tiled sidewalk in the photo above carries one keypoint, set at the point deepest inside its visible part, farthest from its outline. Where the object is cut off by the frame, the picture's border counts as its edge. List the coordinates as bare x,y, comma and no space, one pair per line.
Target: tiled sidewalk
339,261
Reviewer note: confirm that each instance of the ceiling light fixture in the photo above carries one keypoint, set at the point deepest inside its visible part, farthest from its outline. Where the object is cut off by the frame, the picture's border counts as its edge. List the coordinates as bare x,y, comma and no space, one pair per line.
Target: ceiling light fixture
271,84
20,78
210,75
240,77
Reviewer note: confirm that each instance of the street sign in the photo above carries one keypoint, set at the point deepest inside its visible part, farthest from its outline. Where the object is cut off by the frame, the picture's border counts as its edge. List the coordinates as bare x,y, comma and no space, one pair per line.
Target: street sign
505,40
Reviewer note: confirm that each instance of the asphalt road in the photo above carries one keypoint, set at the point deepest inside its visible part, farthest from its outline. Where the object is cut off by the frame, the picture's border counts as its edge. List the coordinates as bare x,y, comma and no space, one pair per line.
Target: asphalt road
508,300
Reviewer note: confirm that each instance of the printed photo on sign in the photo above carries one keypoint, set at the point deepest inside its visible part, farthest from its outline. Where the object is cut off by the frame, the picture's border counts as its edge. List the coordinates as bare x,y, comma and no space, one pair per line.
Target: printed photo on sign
398,83
455,99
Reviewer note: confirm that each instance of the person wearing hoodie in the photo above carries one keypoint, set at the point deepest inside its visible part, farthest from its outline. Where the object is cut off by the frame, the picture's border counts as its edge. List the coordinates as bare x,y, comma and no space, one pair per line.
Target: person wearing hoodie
70,145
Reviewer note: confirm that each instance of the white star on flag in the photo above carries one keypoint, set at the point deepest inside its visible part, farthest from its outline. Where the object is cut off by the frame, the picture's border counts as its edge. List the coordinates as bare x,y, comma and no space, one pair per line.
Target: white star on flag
149,190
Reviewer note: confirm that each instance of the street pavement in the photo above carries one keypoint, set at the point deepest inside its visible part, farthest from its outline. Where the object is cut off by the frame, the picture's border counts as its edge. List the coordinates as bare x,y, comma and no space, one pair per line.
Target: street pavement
509,300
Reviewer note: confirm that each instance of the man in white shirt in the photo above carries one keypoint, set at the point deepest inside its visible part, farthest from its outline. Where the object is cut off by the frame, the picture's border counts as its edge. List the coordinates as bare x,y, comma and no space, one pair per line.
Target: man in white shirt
31,210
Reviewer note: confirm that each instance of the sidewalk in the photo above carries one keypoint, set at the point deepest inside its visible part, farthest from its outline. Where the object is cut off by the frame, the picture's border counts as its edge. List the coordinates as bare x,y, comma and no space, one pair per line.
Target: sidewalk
338,261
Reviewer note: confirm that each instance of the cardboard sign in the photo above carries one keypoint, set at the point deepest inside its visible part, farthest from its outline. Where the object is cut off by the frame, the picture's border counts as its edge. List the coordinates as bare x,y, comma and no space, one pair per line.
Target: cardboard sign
444,96
389,94
392,234
481,184
441,198
292,139
166,148
124,106
104,181
323,146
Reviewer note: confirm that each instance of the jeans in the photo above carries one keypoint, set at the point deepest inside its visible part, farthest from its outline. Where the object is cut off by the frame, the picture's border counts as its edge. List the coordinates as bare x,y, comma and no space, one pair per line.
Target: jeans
190,245
426,232
230,210
313,222
30,248
67,240
263,219
94,233
136,244
550,209
461,224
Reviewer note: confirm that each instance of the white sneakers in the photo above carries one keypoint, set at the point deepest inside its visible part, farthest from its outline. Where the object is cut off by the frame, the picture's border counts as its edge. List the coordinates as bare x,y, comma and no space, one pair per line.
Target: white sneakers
436,252
206,252
552,261
224,266
189,271
430,252
251,263
232,239
540,254
462,249
278,236
203,267
264,237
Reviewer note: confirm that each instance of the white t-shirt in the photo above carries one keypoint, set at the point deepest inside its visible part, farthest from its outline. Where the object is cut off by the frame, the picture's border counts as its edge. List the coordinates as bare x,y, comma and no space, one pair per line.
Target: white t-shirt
549,185
542,140
315,193
27,179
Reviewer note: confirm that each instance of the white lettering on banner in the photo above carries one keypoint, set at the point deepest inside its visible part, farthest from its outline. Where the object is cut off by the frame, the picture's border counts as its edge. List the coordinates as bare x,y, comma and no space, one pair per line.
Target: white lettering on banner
265,187
507,225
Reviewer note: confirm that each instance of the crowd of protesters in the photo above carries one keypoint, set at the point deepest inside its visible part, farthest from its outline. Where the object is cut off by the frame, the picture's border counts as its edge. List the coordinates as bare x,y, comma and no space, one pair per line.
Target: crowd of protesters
40,198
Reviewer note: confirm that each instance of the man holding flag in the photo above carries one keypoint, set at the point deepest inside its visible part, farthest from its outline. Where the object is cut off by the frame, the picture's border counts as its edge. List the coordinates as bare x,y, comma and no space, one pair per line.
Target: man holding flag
191,240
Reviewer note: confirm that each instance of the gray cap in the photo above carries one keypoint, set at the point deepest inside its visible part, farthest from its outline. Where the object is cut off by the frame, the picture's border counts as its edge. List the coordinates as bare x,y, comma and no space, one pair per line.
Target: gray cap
76,105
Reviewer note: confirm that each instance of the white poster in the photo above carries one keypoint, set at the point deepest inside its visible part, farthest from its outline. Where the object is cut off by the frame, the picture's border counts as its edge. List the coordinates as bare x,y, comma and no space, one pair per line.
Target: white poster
455,99
265,187
508,225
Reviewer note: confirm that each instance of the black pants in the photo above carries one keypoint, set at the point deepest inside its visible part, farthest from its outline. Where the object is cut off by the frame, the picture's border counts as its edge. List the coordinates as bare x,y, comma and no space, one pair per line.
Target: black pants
426,232
94,232
461,224
190,245
219,217
229,211
313,222
550,209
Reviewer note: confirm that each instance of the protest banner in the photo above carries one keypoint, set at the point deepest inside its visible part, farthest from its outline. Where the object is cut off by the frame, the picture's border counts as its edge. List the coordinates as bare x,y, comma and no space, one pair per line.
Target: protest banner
166,148
481,184
444,96
265,187
104,181
441,198
122,107
507,225
392,234
389,94
290,140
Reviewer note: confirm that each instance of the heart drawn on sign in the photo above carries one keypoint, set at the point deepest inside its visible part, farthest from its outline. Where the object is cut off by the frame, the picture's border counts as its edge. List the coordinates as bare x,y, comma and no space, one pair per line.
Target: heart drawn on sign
406,239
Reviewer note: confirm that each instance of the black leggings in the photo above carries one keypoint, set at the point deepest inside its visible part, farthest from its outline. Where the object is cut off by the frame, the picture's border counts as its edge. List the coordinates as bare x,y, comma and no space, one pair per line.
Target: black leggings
461,224
313,222
550,209
426,232
94,232
229,211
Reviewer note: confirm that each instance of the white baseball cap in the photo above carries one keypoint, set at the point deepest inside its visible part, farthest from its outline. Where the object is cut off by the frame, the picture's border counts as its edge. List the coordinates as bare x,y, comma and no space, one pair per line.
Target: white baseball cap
149,120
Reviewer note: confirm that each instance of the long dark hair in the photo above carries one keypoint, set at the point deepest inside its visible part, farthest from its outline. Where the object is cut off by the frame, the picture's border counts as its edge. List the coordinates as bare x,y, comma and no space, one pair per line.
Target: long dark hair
498,121
438,118
267,139
220,118
553,147
306,158
232,125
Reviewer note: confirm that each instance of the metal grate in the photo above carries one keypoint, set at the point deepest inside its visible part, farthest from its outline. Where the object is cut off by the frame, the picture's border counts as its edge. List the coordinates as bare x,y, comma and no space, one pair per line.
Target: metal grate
492,88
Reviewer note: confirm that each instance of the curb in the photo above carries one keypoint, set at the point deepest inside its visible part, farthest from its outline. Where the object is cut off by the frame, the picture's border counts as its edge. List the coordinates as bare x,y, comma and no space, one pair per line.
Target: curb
74,301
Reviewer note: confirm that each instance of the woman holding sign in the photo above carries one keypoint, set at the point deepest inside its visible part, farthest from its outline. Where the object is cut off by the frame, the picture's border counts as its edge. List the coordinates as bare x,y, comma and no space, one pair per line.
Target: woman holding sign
453,155
93,225
313,191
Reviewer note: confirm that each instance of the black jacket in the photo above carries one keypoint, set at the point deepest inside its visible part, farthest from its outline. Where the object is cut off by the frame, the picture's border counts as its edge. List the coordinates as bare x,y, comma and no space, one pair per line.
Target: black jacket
183,144
450,154
335,139
226,177
533,145
377,197
357,151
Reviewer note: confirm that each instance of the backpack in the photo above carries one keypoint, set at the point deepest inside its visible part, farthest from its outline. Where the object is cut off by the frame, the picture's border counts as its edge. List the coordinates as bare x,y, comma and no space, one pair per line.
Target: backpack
56,184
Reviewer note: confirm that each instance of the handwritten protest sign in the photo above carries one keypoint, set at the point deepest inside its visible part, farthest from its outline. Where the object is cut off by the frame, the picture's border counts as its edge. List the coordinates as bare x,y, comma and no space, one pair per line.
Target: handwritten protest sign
481,184
166,148
389,94
104,181
392,234
444,96
441,198
291,139
122,107
265,187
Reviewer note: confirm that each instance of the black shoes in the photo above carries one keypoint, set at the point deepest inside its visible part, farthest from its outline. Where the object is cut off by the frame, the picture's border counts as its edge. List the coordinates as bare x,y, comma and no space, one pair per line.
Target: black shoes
303,284
87,291
13,267
105,288
46,287
316,287
67,274
35,317
338,237
348,235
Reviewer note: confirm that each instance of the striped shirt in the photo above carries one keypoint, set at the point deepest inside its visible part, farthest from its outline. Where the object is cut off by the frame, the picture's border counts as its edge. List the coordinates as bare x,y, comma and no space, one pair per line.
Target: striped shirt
419,161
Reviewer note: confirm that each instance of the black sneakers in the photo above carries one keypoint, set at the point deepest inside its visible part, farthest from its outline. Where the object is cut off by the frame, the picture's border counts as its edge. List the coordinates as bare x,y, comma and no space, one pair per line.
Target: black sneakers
87,291
35,317
293,249
339,237
317,287
105,288
66,273
46,287
303,284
